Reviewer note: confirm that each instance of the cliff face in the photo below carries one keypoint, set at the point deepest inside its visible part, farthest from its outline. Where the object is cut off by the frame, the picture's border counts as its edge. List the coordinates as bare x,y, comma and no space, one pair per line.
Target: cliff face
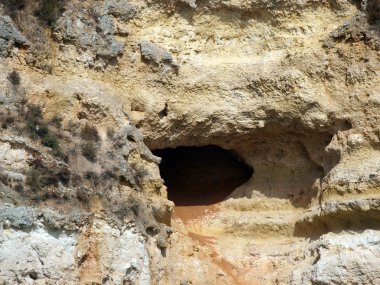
265,113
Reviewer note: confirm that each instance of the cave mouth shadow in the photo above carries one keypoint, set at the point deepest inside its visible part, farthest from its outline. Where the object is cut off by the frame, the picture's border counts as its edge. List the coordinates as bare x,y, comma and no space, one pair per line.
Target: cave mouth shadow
201,176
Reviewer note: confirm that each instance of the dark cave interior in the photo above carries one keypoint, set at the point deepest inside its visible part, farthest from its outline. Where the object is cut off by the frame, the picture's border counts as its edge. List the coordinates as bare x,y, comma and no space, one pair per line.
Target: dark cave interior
203,175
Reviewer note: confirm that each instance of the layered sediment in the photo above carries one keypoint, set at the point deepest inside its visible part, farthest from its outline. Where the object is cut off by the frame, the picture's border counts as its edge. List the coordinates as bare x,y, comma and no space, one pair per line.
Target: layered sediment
189,142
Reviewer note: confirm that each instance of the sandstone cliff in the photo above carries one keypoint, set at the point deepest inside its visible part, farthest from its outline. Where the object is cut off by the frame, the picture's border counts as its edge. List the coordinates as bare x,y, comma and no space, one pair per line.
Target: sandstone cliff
259,119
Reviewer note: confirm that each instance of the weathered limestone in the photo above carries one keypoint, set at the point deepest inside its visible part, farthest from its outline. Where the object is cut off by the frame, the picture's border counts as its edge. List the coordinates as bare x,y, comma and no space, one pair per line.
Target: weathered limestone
291,86
9,36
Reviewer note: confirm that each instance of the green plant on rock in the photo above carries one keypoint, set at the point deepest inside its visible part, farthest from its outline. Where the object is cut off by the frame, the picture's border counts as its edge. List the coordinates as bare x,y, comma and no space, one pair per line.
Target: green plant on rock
39,128
89,151
40,176
50,140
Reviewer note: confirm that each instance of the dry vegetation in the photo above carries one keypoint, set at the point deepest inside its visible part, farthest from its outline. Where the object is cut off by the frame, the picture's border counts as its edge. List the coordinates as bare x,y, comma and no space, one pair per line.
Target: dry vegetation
66,156
35,19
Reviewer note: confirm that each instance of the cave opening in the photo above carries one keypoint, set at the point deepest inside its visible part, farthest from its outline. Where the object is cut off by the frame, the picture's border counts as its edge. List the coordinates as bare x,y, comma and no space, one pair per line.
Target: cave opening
201,176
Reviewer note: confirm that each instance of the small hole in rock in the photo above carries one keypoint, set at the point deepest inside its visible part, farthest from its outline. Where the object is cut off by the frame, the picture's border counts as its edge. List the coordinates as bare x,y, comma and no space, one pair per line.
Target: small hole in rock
164,112
33,275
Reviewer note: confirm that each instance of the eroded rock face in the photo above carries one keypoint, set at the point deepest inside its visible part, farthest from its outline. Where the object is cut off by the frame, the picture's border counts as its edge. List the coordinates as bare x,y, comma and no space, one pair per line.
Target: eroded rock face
347,258
83,33
291,87
9,36
55,252
156,56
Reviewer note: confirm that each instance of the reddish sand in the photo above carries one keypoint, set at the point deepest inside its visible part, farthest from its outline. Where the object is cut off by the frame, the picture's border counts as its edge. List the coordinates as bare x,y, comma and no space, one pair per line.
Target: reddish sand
188,213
